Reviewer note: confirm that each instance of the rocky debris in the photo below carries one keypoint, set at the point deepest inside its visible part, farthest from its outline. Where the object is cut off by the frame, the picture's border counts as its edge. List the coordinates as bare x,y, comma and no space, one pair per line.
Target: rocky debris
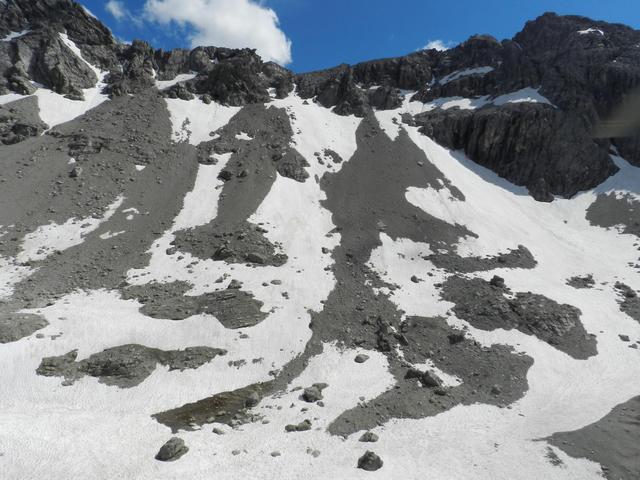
549,151
427,378
14,326
125,366
229,408
487,308
313,393
313,452
303,426
172,450
553,458
369,437
497,282
20,121
457,336
370,462
233,307
626,290
334,156
292,165
581,282
617,211
630,302
361,358
244,244
75,172
519,257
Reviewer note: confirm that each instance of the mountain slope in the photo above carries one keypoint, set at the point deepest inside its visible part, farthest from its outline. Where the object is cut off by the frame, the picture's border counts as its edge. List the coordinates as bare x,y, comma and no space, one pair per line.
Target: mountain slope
429,258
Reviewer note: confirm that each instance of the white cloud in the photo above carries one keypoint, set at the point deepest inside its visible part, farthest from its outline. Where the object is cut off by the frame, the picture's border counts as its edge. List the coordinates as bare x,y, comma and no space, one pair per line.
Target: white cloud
226,23
439,45
120,12
116,8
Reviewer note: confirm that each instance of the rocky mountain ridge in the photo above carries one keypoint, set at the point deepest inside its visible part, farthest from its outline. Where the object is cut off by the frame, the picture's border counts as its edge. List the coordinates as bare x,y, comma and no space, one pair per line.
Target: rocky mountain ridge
583,67
367,271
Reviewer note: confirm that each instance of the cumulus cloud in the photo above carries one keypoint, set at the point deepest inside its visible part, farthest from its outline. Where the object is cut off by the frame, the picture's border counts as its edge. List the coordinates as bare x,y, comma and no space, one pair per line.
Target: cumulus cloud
120,12
226,23
440,45
116,8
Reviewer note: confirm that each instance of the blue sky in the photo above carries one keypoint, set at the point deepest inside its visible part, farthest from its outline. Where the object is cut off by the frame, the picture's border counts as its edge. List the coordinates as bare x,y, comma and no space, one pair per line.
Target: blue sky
315,34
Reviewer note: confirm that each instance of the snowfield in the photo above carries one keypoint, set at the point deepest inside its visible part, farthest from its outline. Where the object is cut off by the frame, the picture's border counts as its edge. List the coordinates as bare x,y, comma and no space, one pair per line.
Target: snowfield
118,436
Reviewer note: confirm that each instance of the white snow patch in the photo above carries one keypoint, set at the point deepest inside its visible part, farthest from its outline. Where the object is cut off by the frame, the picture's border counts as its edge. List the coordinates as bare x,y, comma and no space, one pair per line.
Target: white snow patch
11,97
201,204
184,77
467,72
140,168
13,35
317,128
193,121
48,239
591,30
243,136
448,380
108,235
525,95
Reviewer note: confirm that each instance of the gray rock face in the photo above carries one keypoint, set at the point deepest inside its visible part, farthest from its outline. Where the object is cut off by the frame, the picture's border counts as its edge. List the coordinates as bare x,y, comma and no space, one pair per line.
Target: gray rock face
345,87
232,307
14,326
303,426
612,211
520,257
369,437
582,282
486,307
629,301
172,450
230,408
42,56
292,166
137,72
125,366
536,146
